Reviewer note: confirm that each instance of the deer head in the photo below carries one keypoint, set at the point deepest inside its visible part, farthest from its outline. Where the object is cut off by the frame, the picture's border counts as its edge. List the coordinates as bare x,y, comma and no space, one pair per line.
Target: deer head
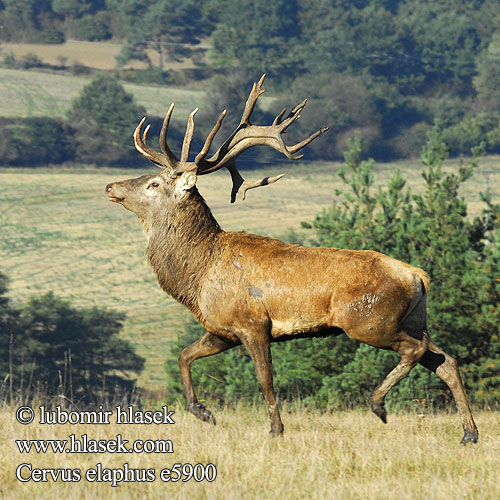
178,177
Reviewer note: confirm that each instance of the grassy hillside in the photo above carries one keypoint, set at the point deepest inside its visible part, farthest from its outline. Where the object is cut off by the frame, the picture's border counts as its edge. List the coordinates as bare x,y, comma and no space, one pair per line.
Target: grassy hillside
37,93
60,233
322,456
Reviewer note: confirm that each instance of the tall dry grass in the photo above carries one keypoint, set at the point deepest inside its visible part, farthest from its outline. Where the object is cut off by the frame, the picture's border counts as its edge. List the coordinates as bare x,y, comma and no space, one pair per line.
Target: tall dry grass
347,455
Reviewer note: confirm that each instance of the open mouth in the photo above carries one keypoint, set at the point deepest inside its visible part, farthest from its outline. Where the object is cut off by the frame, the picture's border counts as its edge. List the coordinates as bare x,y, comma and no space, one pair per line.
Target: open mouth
115,199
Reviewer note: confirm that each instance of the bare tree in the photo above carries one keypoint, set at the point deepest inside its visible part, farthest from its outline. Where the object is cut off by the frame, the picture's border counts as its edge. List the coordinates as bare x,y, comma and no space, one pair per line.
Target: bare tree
252,290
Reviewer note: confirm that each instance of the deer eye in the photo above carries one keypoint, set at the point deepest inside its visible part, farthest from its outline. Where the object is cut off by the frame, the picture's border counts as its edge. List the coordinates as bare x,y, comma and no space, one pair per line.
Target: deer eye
153,185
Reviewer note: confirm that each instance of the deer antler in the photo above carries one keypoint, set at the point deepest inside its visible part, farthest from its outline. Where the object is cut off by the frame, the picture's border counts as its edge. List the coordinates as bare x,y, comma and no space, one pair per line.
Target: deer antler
244,137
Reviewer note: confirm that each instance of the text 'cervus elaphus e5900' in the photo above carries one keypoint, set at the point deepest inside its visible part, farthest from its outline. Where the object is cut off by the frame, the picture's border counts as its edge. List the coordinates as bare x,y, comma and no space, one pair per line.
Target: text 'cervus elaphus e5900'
251,290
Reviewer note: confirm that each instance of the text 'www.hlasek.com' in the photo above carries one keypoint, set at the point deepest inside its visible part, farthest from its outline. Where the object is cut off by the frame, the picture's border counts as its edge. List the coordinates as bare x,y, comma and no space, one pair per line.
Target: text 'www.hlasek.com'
83,443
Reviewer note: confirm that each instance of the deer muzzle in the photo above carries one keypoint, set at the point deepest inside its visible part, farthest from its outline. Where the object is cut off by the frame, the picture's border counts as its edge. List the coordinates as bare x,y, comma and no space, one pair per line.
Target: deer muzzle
112,195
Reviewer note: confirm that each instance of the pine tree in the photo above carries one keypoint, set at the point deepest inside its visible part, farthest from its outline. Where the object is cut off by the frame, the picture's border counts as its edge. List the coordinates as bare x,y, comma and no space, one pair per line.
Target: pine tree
430,230
51,347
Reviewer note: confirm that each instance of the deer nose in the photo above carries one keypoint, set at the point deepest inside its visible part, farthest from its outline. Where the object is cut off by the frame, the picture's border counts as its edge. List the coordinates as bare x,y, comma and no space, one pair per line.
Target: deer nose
109,187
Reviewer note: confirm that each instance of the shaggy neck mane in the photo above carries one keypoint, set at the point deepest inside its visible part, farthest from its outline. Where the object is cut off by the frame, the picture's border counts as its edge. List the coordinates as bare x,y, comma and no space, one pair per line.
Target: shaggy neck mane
181,243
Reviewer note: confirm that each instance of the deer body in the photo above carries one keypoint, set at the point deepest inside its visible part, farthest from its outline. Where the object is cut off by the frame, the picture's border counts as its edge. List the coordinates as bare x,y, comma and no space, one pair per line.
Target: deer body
330,290
252,290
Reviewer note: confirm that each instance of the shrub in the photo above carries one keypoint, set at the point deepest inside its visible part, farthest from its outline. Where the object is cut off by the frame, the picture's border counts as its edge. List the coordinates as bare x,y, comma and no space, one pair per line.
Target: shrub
35,141
411,140
150,75
30,60
79,69
57,349
471,131
48,37
103,116
9,60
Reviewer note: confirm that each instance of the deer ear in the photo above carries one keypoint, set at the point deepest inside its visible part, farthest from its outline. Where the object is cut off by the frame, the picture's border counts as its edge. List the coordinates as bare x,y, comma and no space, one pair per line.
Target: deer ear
186,181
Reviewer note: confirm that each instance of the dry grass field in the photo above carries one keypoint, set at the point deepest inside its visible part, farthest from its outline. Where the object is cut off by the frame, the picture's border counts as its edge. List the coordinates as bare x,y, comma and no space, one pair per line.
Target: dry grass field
349,455
60,233
98,55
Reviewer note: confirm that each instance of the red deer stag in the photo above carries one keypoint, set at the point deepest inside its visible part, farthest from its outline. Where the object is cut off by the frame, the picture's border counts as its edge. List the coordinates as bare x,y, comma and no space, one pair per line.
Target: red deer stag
252,290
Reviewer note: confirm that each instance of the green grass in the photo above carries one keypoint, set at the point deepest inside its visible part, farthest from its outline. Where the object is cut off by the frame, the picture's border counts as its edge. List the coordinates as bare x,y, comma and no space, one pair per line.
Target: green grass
60,233
38,93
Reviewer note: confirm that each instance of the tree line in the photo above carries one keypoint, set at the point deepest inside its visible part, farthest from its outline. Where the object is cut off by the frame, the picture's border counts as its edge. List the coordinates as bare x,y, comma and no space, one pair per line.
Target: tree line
431,230
389,69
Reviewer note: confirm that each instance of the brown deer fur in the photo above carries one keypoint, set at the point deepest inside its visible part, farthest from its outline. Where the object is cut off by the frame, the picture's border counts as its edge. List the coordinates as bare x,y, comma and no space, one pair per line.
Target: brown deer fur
252,290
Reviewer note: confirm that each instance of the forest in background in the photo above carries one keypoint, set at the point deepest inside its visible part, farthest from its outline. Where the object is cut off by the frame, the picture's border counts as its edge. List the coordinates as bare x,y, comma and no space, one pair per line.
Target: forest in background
389,69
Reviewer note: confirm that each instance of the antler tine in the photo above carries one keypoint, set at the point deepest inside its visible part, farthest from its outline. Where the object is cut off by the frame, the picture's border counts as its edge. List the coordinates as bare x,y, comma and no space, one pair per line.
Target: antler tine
163,138
253,184
188,137
279,117
292,116
305,142
210,137
241,186
145,133
141,146
255,93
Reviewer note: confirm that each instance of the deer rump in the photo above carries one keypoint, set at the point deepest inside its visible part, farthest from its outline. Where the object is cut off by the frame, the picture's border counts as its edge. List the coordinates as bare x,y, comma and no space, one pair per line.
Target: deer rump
365,294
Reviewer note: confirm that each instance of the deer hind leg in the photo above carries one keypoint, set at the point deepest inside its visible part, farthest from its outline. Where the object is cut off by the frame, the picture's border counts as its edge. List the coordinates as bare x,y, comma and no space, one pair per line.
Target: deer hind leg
446,368
259,349
208,345
411,351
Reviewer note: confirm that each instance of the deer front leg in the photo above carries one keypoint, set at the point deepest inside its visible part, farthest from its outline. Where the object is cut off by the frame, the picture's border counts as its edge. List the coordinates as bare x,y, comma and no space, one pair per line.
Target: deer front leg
208,345
258,346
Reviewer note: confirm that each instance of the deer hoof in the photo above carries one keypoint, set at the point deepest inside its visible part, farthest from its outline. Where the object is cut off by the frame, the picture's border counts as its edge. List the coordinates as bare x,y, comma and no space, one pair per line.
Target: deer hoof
277,431
380,411
199,410
469,437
